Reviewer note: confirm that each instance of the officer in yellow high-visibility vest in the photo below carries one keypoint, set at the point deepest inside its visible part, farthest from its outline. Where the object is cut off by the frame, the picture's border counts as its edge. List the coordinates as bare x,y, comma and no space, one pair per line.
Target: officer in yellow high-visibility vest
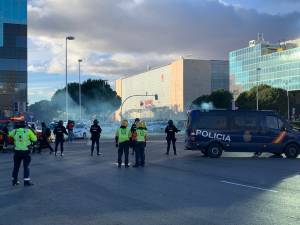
22,139
123,136
141,138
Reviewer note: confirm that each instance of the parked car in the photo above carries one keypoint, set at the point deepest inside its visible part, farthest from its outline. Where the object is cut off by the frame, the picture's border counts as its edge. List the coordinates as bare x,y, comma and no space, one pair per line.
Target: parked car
81,131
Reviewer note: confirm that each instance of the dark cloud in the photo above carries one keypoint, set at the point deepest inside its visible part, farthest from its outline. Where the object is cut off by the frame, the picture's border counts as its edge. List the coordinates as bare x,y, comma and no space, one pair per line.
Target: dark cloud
206,29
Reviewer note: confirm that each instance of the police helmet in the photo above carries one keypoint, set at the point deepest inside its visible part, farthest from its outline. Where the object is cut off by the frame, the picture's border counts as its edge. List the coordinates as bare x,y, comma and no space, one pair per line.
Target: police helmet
96,122
170,122
60,123
137,120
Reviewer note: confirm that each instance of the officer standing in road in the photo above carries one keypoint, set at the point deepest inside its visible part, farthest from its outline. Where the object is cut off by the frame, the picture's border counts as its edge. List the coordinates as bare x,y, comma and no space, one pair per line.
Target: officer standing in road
95,136
171,130
59,132
46,133
133,135
123,136
22,139
141,138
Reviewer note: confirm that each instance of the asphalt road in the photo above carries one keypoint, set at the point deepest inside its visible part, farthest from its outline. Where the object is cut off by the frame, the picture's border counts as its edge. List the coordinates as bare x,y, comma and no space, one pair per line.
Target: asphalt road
171,190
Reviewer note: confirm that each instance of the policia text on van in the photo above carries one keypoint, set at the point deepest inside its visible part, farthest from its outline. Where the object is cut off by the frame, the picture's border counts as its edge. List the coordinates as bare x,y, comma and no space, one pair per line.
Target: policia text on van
216,131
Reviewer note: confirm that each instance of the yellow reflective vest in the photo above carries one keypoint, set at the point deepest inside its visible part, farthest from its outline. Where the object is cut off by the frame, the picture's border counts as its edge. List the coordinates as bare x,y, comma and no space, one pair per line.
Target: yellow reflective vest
22,138
123,134
141,135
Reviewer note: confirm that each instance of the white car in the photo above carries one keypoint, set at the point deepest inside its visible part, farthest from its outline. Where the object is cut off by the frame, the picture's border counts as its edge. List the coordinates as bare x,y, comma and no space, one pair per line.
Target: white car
81,131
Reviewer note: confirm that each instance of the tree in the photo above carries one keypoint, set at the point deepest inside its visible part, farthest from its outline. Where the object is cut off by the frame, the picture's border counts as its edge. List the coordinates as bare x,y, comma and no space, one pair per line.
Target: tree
220,99
98,98
269,98
44,111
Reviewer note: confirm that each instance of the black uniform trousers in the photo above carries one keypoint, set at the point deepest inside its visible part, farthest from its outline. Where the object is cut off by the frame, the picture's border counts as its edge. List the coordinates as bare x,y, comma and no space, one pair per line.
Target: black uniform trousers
20,156
134,145
61,143
44,142
173,141
140,154
95,141
123,148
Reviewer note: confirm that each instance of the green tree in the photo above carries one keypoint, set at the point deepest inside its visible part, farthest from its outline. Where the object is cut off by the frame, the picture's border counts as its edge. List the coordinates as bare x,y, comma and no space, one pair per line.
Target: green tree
269,98
97,97
43,111
220,99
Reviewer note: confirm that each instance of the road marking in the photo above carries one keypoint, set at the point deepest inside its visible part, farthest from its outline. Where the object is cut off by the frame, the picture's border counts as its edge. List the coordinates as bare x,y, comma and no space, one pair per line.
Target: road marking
248,186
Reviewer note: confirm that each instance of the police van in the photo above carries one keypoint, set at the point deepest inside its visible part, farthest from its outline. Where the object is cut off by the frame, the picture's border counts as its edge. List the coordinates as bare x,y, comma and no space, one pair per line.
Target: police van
215,131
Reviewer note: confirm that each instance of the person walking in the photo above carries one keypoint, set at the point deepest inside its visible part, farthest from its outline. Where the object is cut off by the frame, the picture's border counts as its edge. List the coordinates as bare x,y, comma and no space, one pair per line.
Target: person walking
95,136
171,130
122,138
59,132
141,138
22,139
44,139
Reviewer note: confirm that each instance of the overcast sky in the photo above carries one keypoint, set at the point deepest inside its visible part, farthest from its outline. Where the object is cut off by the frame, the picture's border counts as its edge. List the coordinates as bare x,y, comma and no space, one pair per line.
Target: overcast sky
121,37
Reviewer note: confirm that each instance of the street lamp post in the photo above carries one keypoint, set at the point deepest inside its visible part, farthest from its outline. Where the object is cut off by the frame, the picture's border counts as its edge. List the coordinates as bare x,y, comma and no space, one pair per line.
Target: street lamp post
69,38
257,71
79,73
288,98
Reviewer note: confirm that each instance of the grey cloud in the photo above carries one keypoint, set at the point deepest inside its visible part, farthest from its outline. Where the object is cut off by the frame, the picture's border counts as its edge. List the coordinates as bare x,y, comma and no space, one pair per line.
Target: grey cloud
206,29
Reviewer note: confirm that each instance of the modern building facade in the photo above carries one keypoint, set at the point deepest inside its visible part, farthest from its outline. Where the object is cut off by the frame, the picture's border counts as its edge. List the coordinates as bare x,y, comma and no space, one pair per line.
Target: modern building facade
176,85
277,65
13,56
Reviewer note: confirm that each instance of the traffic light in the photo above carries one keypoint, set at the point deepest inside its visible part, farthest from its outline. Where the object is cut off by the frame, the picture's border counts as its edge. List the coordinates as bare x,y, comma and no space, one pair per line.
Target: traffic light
156,97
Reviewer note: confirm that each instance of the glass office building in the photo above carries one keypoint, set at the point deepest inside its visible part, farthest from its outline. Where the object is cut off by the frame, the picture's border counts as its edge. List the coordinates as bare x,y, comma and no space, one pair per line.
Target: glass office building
277,65
13,56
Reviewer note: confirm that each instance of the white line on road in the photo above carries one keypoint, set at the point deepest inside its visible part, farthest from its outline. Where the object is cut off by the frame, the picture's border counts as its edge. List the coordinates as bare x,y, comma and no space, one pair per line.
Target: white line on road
248,186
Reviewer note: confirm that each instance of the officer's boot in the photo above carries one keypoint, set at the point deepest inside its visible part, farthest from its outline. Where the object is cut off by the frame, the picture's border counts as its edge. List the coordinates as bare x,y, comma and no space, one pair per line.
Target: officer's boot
15,182
28,183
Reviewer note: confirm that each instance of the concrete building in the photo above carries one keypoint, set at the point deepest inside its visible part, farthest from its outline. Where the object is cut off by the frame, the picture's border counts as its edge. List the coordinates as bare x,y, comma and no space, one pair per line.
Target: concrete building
176,85
277,65
13,56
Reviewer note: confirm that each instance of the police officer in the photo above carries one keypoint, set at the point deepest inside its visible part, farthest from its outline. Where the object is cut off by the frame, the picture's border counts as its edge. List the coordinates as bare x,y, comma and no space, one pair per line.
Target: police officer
95,136
133,135
46,133
22,139
141,137
123,136
59,132
171,130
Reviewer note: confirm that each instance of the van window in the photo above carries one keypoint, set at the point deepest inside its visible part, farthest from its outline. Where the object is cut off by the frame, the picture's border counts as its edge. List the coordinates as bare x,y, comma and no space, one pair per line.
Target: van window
245,122
271,122
216,122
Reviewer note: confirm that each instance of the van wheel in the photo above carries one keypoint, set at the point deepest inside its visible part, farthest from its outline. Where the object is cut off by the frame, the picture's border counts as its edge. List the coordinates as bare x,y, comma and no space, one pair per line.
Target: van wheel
214,150
292,151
